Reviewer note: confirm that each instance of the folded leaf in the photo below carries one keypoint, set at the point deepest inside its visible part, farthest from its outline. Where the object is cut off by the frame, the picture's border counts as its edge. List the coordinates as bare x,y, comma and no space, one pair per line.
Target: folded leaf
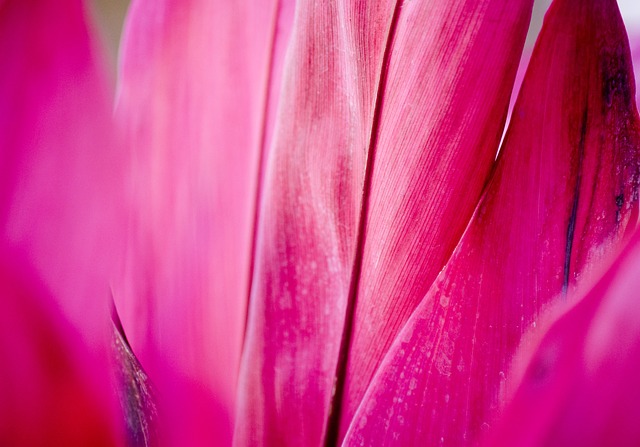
52,392
198,85
580,387
564,193
423,88
61,182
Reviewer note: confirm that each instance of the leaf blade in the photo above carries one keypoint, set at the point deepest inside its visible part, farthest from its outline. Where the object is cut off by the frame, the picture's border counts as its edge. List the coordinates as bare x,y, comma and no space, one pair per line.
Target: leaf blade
575,126
61,162
307,242
582,371
199,83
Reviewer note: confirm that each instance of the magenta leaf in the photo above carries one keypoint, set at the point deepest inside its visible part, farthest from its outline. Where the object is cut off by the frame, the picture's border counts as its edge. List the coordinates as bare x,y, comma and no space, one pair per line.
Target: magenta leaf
52,391
563,193
424,89
198,89
62,214
581,384
61,182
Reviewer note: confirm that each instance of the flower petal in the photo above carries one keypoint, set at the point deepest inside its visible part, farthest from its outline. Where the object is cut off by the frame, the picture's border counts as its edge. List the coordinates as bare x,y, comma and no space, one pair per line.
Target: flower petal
563,193
61,178
580,387
198,88
422,86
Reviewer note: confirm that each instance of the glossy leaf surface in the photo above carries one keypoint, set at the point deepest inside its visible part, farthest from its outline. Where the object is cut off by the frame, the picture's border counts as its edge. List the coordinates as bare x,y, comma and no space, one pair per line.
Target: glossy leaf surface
563,192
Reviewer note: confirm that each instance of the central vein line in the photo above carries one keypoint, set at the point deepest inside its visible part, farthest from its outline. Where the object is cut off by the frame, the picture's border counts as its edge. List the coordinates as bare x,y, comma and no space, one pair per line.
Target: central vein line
332,431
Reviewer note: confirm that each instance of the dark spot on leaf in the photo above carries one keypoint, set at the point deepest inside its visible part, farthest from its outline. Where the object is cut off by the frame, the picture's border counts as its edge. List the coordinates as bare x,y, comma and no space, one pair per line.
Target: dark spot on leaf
619,203
543,365
615,79
539,371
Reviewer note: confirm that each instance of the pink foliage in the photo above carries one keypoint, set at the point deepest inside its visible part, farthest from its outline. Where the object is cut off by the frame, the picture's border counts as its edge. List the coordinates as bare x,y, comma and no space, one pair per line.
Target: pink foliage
580,387
299,214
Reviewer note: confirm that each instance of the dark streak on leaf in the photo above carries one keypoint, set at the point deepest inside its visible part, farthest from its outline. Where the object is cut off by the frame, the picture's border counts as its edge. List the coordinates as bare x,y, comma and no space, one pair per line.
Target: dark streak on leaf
574,209
619,204
135,391
615,80
332,430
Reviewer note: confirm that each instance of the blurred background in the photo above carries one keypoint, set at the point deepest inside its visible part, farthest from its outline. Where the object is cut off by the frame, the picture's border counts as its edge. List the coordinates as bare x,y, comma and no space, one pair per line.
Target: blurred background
109,16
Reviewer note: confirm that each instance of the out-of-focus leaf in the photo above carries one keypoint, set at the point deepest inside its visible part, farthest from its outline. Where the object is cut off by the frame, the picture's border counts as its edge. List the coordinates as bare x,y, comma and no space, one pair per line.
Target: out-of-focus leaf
198,88
564,191
61,182
421,87
581,384
61,214
52,391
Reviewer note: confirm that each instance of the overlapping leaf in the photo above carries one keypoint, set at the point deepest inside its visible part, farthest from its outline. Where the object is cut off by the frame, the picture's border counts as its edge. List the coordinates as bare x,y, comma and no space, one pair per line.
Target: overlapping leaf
423,89
564,190
580,387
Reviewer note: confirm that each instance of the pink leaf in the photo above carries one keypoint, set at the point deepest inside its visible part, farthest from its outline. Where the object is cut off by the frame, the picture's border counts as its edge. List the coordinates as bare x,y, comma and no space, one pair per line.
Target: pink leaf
61,190
52,392
61,178
580,387
564,192
424,88
199,84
